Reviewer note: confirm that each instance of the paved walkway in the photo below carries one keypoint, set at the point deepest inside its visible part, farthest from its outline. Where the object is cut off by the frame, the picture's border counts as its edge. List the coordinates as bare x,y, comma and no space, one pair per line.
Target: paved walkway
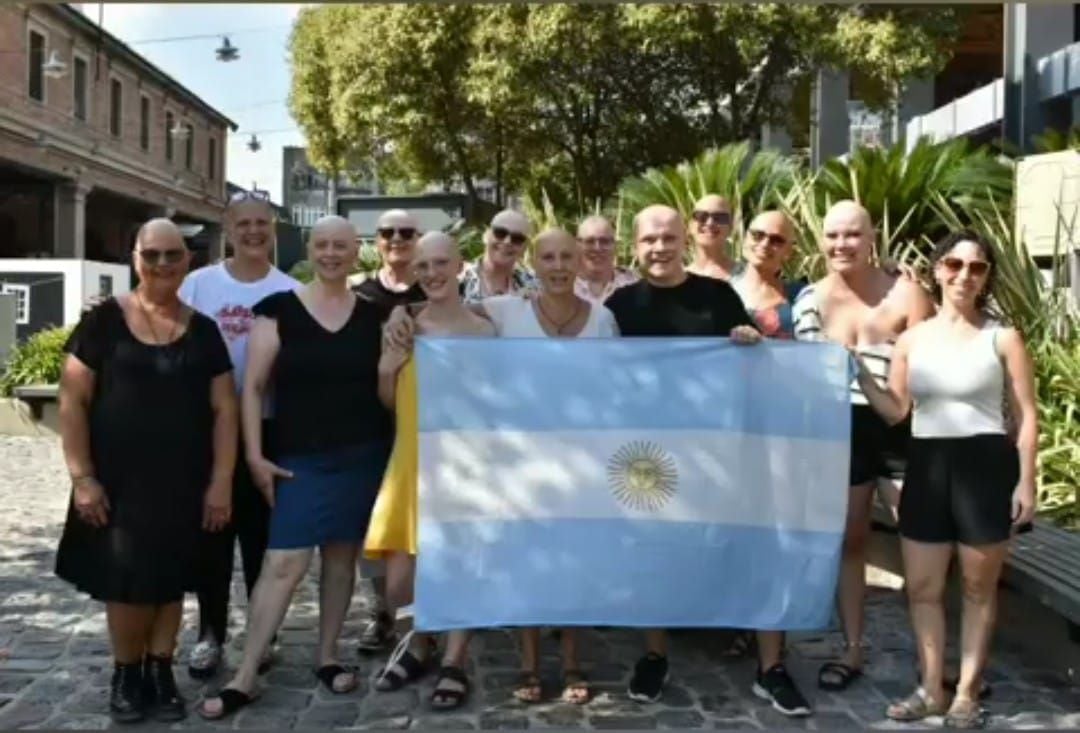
57,665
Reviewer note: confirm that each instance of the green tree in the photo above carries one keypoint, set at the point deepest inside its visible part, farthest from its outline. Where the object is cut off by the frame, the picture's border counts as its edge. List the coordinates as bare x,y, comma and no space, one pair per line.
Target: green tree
588,92
311,97
569,99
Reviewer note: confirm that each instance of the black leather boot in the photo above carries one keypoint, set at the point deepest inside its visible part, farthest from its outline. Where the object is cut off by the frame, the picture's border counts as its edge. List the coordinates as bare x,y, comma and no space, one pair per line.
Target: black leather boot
126,695
162,697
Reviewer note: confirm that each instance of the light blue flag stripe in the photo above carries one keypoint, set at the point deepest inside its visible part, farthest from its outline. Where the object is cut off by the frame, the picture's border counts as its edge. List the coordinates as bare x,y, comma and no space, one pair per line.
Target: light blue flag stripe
552,563
615,384
623,573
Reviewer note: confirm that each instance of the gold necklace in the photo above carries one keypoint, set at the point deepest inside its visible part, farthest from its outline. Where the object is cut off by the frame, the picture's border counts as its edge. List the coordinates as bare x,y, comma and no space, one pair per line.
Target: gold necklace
150,323
559,326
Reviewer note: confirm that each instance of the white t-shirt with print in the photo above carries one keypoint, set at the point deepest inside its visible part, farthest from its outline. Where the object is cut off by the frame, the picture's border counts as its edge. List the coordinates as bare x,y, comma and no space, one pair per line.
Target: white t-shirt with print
212,291
514,316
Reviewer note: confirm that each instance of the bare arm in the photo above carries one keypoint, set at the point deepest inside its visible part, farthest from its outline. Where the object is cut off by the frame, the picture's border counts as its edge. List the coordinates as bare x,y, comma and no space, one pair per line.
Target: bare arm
390,364
76,391
263,347
217,508
226,423
892,402
1021,383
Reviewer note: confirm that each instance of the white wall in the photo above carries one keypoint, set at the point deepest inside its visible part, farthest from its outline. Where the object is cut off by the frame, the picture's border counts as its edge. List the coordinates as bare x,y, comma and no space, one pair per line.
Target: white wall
90,282
80,279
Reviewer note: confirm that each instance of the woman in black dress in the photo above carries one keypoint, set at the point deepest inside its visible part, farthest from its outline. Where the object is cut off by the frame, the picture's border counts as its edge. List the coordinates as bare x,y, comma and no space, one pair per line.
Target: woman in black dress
318,348
148,418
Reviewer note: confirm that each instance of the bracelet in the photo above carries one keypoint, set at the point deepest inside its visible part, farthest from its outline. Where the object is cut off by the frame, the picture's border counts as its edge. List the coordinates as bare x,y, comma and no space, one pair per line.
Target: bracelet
76,480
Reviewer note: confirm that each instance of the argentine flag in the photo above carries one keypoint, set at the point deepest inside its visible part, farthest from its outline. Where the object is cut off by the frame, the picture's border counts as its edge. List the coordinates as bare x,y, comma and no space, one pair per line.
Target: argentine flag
639,482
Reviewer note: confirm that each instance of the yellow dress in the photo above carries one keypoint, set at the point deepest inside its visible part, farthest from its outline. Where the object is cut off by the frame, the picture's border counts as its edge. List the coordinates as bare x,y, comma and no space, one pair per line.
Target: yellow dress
393,519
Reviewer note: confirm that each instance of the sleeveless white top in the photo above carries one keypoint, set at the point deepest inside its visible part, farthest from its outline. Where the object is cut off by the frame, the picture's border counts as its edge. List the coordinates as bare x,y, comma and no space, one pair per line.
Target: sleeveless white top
957,391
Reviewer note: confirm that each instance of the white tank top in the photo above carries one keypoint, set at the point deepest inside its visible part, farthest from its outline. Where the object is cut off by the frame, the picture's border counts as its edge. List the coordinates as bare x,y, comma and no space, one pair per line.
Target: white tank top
957,391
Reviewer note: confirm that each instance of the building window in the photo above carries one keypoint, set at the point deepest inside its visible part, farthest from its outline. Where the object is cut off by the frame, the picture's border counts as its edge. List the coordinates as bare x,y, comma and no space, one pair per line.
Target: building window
211,159
36,59
144,122
189,147
169,122
116,106
22,301
78,75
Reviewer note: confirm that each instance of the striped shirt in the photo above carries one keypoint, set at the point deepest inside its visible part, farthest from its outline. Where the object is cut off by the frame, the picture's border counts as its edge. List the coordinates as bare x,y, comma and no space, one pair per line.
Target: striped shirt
809,326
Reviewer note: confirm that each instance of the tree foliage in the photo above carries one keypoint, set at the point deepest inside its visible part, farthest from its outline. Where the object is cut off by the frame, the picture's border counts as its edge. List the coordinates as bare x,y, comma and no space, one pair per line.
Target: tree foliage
568,99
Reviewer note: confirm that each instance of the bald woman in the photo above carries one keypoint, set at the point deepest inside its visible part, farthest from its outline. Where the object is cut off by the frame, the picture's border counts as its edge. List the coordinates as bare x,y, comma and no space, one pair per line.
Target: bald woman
148,422
321,346
393,533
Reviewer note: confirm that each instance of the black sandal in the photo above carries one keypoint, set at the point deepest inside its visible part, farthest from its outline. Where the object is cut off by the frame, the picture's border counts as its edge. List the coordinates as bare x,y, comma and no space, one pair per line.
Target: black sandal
330,672
844,674
232,700
414,667
447,698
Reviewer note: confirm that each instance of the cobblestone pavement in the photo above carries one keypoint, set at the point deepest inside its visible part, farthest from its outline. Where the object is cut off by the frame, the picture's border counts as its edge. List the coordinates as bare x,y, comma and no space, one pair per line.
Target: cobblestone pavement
57,664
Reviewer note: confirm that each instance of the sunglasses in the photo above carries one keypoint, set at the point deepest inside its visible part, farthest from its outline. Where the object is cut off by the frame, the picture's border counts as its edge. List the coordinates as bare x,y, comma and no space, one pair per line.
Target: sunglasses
977,268
159,256
502,233
597,242
717,217
758,235
241,196
403,232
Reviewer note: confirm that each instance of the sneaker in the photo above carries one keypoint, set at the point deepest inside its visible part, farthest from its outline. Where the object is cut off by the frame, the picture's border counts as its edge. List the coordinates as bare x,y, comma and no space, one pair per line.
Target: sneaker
776,686
376,635
650,676
204,660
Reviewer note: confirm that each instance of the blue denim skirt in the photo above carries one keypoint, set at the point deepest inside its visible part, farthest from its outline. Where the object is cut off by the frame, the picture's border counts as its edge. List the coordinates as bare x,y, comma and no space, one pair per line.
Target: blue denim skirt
329,497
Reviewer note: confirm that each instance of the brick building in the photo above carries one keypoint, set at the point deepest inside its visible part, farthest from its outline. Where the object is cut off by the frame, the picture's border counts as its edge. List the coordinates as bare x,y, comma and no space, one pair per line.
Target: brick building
87,155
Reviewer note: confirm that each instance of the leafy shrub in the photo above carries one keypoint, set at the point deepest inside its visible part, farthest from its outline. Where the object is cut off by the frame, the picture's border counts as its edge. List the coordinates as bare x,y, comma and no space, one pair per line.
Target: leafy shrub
35,361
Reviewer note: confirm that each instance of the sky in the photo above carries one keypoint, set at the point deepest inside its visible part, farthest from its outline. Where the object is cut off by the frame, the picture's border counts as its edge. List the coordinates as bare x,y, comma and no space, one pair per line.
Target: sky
251,91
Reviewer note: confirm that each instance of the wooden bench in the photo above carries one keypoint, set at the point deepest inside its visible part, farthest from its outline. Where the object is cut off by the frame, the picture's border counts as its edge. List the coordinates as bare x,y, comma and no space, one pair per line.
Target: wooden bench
37,395
1043,564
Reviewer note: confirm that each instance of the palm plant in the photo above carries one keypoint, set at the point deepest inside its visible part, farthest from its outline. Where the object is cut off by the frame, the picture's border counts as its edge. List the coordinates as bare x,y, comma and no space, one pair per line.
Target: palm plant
898,188
749,180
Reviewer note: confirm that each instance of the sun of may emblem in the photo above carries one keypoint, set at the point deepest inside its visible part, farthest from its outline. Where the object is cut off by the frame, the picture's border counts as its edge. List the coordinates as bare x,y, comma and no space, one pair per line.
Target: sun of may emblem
642,475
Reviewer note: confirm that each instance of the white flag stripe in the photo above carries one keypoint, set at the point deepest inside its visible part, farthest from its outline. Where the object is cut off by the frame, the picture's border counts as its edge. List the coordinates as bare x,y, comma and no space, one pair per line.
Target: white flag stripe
726,478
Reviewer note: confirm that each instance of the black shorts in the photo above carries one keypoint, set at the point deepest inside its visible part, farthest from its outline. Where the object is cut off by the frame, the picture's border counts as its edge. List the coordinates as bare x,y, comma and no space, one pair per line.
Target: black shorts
877,450
959,489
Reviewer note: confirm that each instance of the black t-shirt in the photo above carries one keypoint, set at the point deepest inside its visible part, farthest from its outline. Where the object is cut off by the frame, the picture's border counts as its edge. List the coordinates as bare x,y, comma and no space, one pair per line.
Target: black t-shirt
699,306
326,384
386,299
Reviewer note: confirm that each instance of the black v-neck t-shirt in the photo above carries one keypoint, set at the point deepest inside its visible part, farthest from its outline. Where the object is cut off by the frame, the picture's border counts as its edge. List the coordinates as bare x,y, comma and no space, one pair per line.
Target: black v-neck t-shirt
698,306
326,383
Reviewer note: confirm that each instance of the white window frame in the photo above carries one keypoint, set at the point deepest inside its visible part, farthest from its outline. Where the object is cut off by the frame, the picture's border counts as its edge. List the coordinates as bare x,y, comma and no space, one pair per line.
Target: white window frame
23,290
88,89
33,27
